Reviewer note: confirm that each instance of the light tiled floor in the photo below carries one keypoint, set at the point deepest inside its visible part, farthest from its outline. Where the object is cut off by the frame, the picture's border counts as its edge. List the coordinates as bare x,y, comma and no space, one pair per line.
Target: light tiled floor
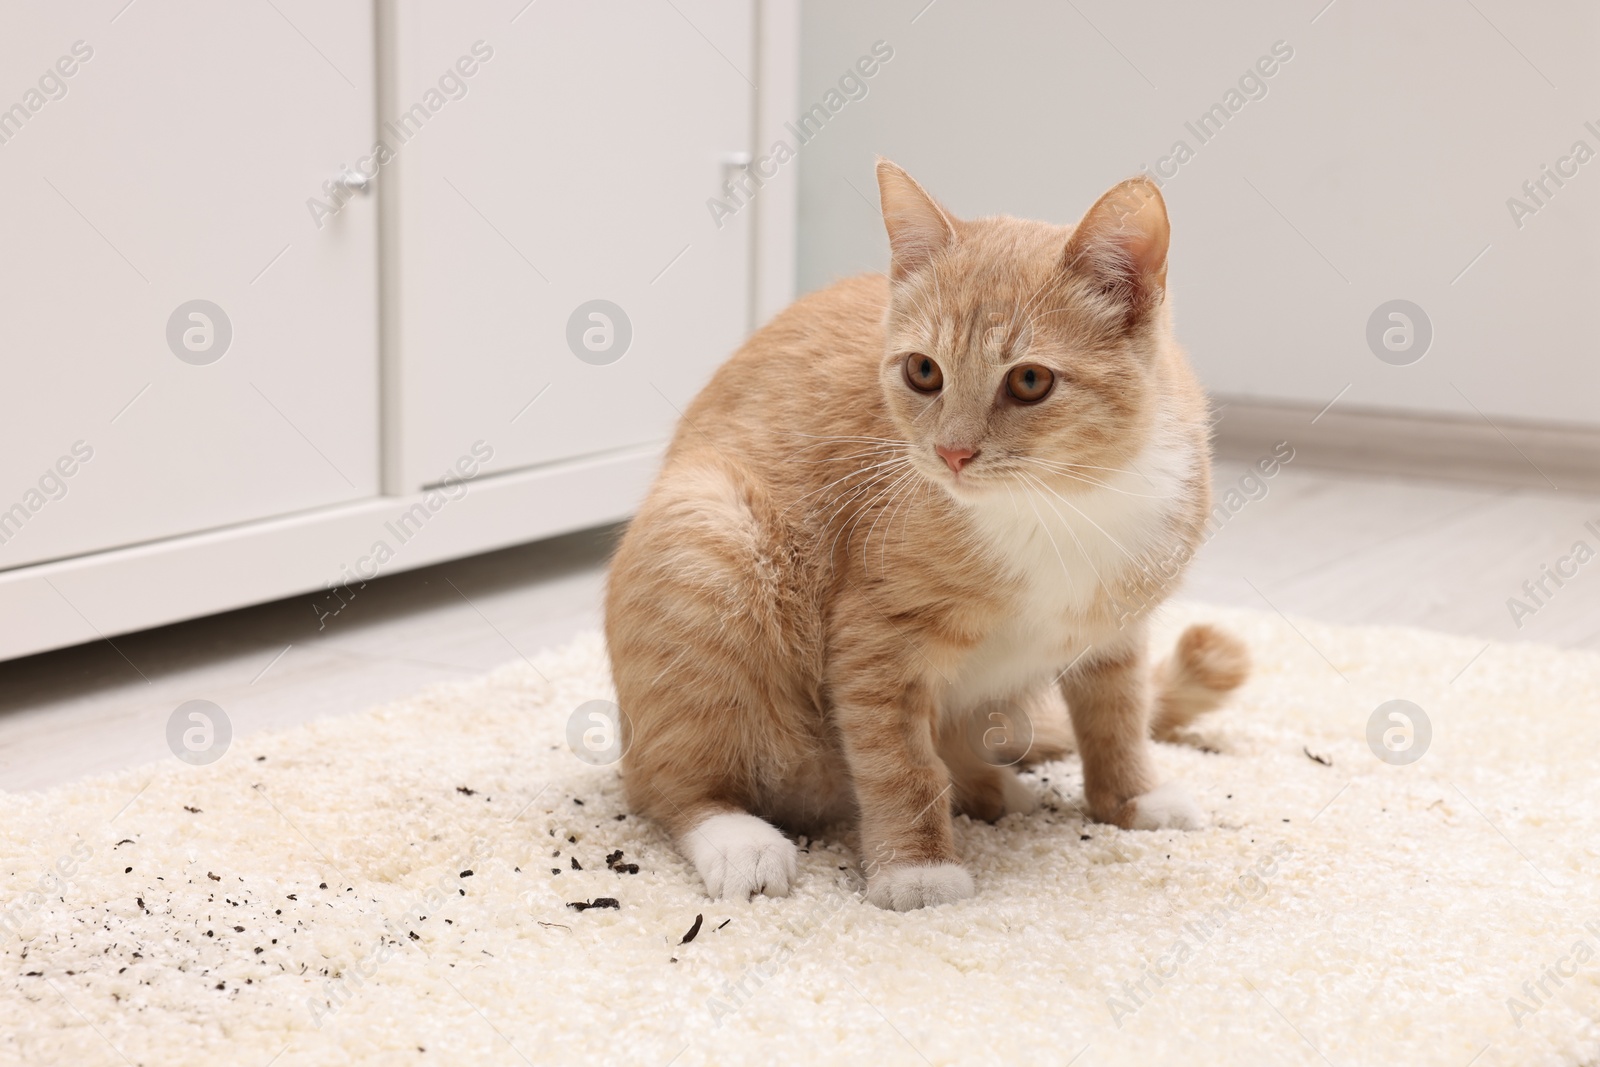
1324,545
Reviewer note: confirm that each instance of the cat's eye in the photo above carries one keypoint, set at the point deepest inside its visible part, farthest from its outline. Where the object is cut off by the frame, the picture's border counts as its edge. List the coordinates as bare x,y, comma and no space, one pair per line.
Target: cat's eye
923,373
1029,383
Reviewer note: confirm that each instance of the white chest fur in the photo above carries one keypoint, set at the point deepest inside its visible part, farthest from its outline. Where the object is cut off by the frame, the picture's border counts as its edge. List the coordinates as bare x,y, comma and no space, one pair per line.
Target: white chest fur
1064,547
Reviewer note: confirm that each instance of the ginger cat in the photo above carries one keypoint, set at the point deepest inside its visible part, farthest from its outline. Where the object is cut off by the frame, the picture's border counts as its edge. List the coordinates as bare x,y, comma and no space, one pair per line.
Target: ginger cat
902,500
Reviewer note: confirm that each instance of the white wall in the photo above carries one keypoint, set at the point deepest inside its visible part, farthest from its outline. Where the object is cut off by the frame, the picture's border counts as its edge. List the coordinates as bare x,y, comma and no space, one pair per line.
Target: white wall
1376,167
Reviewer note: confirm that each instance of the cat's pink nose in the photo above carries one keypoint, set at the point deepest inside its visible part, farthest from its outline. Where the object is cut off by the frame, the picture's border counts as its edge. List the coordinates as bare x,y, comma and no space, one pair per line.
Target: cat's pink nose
956,458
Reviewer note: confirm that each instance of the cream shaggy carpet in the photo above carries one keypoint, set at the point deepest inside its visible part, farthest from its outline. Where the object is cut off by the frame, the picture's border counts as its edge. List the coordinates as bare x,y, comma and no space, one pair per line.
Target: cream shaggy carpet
394,887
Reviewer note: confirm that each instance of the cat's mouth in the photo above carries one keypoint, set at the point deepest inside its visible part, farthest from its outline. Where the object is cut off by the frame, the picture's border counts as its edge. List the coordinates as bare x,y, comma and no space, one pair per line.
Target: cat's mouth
971,483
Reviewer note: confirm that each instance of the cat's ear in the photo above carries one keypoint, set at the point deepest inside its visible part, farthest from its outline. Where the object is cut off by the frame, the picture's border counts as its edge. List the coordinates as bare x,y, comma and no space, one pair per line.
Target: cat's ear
919,228
1121,242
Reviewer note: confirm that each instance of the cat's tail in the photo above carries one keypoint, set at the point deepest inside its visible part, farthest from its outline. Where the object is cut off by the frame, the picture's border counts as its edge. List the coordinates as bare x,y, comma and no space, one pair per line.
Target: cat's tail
1204,668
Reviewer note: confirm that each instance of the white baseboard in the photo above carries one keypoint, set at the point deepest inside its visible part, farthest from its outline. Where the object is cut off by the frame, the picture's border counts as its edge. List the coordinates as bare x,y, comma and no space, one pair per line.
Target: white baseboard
101,595
1501,452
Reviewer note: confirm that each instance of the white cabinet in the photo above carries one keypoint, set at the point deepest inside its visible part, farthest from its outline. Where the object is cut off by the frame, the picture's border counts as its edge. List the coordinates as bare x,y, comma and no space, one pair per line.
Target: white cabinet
559,195
174,166
178,189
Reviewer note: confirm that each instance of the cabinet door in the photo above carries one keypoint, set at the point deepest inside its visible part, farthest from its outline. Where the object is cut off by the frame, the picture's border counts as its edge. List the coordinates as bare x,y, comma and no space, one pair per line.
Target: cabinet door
564,288
184,348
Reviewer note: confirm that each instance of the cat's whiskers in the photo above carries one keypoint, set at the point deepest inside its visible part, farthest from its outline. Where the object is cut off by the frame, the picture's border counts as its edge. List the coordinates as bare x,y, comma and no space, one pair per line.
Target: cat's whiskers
903,509
1111,470
859,513
880,510
921,492
849,508
1131,558
847,477
855,492
1066,571
1006,485
859,471
1136,472
1092,483
819,439
1072,579
1074,475
853,508
900,489
840,459
1082,550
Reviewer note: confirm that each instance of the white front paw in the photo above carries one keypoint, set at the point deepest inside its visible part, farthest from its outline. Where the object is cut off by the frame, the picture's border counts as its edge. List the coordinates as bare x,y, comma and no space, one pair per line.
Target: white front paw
739,855
919,885
1167,807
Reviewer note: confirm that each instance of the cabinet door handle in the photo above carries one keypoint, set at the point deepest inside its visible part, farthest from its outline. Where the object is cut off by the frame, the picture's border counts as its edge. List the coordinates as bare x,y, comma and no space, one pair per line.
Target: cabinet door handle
354,181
